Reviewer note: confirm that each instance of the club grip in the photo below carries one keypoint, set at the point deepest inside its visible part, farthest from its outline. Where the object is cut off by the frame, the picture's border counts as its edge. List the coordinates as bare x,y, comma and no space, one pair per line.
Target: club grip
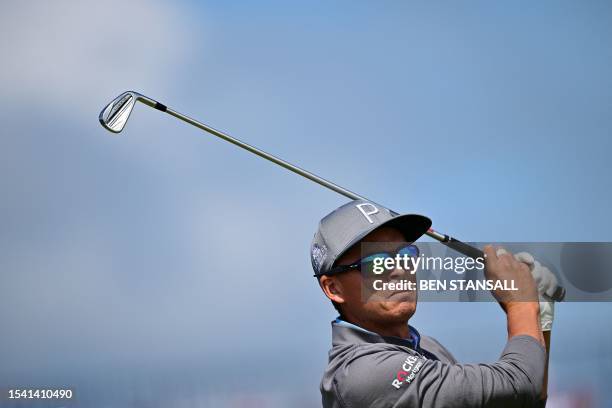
464,248
474,252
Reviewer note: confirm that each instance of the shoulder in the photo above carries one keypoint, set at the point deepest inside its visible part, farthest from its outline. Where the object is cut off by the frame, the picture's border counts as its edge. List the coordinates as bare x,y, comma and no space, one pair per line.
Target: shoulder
434,347
368,375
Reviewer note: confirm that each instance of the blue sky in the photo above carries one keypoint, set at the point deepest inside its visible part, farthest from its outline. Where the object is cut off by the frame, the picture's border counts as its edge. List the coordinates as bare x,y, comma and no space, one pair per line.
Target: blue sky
491,118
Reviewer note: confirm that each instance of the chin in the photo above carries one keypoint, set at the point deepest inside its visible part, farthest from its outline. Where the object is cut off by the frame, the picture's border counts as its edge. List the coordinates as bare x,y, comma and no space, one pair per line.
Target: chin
397,311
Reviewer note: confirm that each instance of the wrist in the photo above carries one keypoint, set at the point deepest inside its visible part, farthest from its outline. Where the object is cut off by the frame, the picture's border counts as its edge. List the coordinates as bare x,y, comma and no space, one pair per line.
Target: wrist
524,319
522,308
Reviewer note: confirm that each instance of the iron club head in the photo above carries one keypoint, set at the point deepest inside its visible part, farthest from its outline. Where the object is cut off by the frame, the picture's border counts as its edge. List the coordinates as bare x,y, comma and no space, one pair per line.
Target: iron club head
114,116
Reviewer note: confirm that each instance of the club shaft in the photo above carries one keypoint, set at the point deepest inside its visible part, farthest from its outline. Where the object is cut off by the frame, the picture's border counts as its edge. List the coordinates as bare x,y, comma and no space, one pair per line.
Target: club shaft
267,156
450,241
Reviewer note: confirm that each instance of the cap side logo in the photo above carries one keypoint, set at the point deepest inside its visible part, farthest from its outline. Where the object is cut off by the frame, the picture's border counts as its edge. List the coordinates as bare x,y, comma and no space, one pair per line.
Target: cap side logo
365,213
318,256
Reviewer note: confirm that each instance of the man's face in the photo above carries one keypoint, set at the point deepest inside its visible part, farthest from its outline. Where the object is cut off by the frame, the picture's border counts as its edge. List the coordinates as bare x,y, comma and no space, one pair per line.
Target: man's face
369,307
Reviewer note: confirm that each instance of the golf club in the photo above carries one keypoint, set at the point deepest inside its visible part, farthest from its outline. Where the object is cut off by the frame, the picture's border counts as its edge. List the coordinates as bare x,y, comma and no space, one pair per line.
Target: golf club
116,114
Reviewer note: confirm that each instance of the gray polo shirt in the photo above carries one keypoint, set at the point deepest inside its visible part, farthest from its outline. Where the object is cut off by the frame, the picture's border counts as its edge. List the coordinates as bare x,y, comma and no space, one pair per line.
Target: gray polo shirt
369,370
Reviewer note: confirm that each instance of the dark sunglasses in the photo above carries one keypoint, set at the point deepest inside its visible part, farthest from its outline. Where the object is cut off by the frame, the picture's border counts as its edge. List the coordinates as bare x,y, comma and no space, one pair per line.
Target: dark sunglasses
366,264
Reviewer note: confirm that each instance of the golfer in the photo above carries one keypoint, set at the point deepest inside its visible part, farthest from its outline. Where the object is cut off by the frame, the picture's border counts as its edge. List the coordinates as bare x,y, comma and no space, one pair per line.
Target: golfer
378,360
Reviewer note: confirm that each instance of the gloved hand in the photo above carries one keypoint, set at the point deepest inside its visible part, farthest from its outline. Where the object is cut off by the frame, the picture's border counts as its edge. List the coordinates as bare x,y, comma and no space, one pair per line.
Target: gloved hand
547,283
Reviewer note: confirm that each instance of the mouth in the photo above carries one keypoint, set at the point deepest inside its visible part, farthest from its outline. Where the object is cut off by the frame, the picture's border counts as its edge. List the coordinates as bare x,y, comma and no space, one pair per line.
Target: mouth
399,296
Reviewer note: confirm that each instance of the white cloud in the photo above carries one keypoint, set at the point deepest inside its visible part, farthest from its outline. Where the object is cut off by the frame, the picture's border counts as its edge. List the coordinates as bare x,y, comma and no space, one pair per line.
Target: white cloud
57,50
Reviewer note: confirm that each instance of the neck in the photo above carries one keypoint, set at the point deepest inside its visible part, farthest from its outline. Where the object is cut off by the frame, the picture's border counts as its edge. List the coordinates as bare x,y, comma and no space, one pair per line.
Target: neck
399,329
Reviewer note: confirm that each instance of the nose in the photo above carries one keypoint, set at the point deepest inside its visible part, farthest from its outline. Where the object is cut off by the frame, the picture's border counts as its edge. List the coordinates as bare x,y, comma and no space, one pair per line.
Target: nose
398,274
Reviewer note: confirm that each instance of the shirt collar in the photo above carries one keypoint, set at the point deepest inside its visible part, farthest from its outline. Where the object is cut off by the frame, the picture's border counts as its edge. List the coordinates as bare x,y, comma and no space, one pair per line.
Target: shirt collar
359,334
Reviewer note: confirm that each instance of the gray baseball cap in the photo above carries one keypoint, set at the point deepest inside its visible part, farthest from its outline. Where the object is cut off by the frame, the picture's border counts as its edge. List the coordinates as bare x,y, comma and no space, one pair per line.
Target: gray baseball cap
347,225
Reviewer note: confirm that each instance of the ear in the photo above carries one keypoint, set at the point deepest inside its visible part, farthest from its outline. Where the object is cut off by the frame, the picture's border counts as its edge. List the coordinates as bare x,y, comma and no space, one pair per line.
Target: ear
332,288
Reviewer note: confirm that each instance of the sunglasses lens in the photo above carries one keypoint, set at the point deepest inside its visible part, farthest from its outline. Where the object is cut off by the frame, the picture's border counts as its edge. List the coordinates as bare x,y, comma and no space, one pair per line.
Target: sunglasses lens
369,262
410,250
373,265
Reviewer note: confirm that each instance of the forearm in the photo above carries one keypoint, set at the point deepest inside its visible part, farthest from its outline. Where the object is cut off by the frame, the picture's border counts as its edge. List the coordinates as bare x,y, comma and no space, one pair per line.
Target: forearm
524,319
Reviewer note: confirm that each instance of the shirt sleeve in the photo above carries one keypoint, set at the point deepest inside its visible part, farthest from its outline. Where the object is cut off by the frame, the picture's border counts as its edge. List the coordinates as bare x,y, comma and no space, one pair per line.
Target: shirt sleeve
394,378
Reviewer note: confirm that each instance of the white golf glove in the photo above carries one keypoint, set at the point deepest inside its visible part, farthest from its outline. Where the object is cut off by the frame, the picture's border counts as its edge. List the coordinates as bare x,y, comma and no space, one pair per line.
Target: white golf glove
547,283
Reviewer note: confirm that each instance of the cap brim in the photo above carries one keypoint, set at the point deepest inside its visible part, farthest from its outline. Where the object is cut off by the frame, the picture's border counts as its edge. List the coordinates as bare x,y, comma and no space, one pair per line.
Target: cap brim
412,226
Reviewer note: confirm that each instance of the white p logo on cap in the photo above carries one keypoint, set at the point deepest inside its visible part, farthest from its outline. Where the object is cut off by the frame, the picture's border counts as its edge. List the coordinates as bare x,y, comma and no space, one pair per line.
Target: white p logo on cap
366,214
